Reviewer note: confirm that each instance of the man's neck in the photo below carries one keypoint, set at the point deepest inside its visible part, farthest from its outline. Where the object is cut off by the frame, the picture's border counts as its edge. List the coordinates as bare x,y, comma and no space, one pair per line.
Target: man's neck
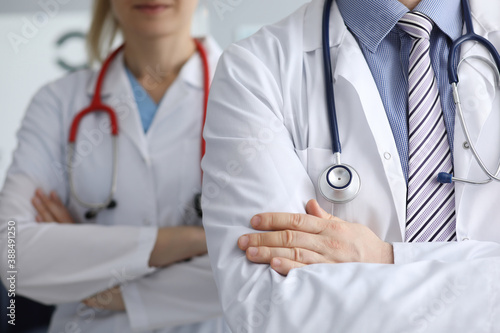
411,4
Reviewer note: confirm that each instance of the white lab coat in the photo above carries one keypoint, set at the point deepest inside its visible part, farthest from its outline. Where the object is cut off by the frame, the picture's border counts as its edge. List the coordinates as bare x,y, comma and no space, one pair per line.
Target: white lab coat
268,141
158,175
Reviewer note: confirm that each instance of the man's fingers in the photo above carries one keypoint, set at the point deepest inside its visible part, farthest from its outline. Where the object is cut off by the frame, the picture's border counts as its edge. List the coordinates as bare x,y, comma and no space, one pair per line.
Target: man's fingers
264,255
313,208
288,221
283,239
284,266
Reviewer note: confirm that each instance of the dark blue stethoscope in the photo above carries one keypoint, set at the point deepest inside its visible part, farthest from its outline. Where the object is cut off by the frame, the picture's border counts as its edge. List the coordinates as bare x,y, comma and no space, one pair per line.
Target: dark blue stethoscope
340,183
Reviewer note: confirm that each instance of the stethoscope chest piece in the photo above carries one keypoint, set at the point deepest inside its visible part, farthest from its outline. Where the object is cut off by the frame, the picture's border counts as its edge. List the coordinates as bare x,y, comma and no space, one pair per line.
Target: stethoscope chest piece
339,183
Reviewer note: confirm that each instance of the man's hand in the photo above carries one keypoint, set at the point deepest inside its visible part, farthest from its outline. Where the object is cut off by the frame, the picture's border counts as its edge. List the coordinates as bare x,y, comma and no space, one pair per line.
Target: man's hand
296,240
111,299
50,208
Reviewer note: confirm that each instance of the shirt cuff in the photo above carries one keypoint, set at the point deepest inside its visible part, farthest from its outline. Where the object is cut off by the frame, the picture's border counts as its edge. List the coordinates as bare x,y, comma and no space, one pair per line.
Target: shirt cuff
136,311
145,244
404,253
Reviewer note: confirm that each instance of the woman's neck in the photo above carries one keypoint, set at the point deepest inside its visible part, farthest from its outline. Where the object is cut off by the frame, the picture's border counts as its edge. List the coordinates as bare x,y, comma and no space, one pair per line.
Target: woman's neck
410,4
156,62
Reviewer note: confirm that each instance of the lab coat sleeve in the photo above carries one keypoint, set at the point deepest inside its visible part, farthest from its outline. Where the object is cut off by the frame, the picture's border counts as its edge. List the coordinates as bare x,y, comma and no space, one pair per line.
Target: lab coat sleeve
60,263
182,294
405,253
251,167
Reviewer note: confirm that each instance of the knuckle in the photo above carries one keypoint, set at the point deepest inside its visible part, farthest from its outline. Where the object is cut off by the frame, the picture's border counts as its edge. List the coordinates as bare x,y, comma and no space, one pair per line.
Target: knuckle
297,221
288,238
256,239
297,254
336,226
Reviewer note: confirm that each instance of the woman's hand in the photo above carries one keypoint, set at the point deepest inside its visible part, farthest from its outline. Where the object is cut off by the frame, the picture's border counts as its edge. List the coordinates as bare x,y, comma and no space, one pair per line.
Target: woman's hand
50,208
110,299
175,244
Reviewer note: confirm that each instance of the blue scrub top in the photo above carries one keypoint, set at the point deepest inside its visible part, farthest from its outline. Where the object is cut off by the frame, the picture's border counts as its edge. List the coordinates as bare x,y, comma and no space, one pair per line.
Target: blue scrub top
145,104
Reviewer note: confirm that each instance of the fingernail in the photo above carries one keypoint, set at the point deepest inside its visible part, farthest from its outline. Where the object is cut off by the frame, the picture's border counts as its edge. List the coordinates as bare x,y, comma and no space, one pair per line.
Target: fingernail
276,262
255,221
244,240
252,251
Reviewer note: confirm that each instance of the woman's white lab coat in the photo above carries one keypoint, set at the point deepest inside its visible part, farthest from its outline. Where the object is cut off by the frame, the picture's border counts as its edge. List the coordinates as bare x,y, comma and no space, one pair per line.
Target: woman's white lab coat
158,175
268,141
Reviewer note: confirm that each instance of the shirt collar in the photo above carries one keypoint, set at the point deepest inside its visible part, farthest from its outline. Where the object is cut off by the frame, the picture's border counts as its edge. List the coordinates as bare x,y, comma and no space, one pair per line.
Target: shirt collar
377,18
447,15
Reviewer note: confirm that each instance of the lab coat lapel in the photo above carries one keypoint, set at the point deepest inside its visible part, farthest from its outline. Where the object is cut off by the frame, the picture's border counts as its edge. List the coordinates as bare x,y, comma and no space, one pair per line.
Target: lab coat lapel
477,89
352,66
117,93
189,76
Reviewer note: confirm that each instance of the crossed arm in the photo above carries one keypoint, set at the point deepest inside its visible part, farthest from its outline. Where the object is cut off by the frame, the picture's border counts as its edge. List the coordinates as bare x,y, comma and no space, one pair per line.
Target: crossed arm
295,240
173,244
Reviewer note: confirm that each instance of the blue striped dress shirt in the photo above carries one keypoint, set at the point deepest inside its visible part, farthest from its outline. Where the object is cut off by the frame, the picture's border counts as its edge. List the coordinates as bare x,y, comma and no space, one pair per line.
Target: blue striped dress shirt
387,49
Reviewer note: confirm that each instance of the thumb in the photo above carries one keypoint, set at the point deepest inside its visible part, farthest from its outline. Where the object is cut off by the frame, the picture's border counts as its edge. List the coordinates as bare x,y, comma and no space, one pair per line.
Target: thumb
313,208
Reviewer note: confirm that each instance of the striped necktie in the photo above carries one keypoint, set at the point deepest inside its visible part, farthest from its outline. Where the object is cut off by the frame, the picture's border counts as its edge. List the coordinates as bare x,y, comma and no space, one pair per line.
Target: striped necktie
430,214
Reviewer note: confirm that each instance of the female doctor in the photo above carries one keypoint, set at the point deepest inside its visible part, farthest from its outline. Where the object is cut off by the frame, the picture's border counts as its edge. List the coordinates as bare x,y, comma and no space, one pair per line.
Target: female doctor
345,267
130,258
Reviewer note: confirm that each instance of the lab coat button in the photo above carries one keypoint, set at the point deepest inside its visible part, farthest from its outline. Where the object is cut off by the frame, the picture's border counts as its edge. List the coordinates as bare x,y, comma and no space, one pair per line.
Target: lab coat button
466,145
387,156
465,239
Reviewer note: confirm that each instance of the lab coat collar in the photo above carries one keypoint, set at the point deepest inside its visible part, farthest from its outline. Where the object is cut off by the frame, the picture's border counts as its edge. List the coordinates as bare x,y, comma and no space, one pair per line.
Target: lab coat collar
109,80
312,39
190,73
486,14
117,93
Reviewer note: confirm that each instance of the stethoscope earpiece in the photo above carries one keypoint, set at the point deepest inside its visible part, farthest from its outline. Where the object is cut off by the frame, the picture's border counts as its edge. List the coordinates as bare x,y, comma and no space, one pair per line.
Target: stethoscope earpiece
339,183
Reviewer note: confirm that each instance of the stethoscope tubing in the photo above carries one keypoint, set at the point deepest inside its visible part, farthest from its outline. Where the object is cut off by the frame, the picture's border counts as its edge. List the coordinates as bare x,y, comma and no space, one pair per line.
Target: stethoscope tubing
330,95
469,36
97,105
453,68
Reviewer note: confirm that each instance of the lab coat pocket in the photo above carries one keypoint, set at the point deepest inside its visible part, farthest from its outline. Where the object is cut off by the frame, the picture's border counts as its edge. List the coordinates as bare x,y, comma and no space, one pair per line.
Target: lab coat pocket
318,159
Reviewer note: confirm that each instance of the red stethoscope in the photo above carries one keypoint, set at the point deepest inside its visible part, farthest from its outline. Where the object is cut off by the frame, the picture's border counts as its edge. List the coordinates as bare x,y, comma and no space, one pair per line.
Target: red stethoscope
98,106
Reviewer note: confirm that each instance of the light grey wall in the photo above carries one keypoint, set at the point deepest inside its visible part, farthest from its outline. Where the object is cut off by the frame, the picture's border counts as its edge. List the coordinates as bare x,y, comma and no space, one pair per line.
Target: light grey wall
16,6
35,62
227,17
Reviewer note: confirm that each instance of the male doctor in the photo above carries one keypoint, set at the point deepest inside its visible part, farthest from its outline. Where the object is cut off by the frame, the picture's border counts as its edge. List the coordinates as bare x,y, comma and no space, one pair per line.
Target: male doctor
407,254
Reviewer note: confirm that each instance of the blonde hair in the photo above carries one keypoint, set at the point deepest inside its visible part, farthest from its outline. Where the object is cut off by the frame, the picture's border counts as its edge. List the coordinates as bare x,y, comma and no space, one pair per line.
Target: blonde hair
102,32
